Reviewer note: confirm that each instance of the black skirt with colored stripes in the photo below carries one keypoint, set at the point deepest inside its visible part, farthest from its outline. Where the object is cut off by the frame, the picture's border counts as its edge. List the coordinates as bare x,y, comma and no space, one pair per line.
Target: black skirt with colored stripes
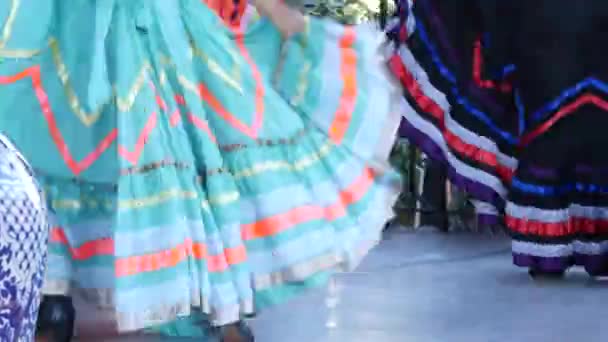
512,97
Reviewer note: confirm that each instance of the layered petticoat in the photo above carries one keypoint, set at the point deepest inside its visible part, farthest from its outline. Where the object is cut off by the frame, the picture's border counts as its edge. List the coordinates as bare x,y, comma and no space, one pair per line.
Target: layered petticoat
194,167
542,169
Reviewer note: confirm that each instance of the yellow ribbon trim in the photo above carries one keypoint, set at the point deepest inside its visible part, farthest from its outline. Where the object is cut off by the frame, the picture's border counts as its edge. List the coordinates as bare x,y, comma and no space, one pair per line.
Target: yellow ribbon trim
221,199
123,104
7,31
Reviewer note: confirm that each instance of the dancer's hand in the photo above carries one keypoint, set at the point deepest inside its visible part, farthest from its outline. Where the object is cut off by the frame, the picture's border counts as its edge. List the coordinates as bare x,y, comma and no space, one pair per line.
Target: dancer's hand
288,20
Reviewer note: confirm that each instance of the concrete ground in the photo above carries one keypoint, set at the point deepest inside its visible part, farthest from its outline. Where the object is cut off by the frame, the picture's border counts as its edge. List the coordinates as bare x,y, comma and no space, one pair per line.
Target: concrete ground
431,287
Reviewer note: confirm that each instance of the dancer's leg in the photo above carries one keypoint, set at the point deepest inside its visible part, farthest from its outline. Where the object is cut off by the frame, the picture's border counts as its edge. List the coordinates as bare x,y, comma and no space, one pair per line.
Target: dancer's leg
237,332
56,319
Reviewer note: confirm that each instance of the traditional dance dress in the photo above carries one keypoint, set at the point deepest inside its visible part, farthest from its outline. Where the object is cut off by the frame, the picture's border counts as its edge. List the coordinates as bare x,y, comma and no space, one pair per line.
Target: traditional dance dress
509,95
196,168
23,244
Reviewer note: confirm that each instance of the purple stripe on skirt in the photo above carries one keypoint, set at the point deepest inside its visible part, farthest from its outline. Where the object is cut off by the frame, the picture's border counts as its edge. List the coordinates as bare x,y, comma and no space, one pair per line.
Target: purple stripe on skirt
427,145
545,264
595,265
488,219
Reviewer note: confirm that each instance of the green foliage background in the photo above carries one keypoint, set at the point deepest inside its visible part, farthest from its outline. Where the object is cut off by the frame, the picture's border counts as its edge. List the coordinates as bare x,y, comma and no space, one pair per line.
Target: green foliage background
349,12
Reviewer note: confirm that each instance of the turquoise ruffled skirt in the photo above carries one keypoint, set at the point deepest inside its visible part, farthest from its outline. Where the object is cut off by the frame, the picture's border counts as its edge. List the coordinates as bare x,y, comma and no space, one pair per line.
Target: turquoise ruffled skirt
195,168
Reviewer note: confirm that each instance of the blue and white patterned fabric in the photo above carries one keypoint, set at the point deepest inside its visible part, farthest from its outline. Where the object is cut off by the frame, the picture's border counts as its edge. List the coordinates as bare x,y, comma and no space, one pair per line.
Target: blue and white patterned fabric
23,243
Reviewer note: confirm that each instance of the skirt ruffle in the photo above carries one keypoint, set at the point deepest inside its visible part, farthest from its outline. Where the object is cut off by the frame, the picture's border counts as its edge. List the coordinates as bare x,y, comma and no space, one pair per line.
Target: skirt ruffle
522,166
195,166
450,105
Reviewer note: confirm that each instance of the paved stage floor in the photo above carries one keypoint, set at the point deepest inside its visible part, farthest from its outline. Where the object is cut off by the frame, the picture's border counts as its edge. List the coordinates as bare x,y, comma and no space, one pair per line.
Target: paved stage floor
430,287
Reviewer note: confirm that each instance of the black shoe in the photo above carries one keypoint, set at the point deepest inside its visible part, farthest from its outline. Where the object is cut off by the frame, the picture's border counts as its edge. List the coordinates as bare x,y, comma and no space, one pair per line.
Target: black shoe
601,274
549,275
56,318
243,329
